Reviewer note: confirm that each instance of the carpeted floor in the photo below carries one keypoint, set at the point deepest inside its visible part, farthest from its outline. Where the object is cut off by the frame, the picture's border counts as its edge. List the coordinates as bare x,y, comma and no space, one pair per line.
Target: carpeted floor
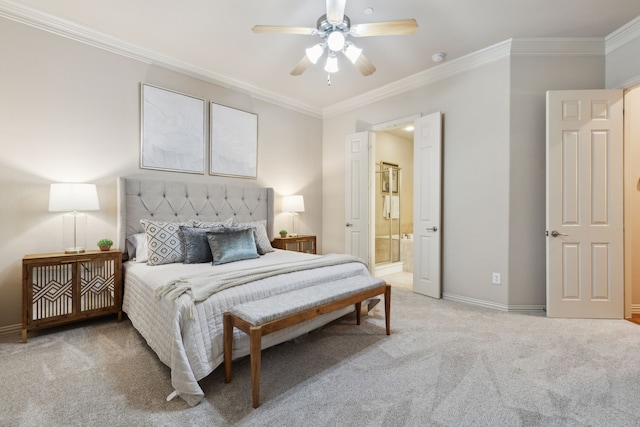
445,364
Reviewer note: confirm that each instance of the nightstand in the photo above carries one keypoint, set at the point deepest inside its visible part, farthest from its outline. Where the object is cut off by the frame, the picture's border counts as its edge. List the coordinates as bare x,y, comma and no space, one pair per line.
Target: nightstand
299,243
60,288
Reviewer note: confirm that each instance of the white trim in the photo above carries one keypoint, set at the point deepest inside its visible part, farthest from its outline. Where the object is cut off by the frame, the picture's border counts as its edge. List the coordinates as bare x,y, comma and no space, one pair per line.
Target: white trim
627,84
10,329
493,305
622,35
62,27
423,78
635,308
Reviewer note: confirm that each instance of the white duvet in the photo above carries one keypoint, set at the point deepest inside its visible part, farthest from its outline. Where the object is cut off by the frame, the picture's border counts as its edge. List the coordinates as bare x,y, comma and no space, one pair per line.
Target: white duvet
193,348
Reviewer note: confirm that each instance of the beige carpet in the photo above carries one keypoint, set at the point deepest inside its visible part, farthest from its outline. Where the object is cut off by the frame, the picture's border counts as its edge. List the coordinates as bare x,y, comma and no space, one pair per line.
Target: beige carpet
445,364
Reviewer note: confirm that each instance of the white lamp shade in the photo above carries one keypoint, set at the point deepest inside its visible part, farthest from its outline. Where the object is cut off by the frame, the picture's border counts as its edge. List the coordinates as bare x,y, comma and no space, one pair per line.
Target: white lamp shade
294,203
332,64
66,197
315,52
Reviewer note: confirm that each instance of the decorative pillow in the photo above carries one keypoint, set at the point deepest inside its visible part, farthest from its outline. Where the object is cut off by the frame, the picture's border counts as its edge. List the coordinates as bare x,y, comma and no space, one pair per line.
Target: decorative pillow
204,224
164,243
137,247
232,244
196,245
263,244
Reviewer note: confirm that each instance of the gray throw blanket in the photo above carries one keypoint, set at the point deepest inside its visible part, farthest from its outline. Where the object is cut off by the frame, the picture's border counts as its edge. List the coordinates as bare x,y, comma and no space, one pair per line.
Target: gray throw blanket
201,287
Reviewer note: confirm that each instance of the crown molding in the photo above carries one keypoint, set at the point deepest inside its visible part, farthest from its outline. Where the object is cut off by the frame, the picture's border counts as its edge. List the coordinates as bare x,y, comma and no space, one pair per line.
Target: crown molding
623,35
423,78
590,46
65,28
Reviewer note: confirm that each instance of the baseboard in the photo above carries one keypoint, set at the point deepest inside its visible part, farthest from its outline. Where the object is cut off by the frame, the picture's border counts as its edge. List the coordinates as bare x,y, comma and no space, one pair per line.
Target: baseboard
493,305
5,330
635,308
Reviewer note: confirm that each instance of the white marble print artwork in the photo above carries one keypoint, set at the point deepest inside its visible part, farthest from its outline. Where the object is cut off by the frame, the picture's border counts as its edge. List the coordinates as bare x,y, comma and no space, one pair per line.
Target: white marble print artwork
234,142
172,131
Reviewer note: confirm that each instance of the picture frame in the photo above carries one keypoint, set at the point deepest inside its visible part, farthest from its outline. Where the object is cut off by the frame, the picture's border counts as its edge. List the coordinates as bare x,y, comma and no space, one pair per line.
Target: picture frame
172,130
384,177
233,143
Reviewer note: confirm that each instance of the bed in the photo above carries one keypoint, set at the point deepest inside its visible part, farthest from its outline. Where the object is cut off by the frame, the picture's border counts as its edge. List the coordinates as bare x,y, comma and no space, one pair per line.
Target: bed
186,332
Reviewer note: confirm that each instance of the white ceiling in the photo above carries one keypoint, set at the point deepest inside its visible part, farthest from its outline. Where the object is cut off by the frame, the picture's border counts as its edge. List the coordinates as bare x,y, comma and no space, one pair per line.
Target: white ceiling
215,35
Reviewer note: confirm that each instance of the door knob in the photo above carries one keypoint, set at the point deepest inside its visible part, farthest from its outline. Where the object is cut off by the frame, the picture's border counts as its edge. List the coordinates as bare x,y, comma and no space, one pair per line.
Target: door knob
349,224
434,229
555,233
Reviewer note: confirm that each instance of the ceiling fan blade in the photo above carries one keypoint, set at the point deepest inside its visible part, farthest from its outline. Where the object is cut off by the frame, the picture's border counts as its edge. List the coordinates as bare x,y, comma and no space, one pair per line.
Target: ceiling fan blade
388,28
363,65
270,29
301,67
335,11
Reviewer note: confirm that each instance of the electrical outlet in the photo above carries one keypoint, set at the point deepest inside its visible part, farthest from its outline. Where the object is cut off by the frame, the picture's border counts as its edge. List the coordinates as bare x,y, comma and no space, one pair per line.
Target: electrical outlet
496,278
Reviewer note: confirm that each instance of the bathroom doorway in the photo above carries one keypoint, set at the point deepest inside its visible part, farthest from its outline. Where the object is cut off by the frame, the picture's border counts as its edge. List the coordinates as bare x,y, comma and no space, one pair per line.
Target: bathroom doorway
394,204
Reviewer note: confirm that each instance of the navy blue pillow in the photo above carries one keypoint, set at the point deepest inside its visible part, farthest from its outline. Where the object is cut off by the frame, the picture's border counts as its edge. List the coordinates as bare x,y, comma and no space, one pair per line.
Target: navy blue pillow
229,244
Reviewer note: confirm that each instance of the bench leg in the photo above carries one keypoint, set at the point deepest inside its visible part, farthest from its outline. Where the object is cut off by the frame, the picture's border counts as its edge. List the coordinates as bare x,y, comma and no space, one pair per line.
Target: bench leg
387,308
255,349
228,345
358,308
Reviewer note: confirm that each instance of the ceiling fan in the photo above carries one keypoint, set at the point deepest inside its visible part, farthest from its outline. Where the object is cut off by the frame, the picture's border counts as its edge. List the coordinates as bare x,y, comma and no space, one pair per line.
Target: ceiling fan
333,29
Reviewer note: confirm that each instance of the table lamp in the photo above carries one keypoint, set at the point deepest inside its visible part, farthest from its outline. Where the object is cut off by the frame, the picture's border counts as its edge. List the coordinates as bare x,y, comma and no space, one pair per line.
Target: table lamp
71,198
293,204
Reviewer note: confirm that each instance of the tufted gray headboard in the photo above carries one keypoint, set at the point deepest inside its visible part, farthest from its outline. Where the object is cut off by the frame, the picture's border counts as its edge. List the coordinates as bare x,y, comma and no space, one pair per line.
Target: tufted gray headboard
179,201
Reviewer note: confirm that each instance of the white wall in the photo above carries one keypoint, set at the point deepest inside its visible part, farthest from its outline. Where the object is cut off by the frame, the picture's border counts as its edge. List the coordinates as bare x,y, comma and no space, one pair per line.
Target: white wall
531,77
70,112
475,105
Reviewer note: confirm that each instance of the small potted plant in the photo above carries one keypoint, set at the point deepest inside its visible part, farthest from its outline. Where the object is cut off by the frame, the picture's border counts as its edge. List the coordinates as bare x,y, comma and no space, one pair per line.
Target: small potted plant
105,244
283,233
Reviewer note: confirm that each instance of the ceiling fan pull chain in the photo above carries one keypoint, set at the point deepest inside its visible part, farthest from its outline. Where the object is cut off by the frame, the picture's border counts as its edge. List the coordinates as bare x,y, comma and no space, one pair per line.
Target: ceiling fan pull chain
328,79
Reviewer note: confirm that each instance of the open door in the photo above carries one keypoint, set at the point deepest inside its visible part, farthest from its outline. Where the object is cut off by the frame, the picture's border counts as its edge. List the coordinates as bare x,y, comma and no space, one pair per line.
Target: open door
427,209
357,198
585,276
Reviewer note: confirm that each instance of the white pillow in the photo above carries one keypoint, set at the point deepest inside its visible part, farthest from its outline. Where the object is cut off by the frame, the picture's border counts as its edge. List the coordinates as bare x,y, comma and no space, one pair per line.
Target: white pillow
164,242
137,247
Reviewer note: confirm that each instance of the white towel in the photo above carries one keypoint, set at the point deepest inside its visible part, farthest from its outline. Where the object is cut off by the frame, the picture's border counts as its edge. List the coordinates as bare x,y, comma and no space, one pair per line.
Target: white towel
391,207
386,207
394,212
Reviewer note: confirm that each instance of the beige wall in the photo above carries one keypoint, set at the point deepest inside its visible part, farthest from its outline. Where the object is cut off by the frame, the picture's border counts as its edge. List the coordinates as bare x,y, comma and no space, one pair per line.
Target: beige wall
531,77
475,105
70,112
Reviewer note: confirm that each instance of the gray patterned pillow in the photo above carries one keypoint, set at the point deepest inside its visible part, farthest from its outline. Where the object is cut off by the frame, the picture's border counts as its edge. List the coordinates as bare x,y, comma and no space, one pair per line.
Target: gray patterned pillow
232,244
196,245
164,243
263,244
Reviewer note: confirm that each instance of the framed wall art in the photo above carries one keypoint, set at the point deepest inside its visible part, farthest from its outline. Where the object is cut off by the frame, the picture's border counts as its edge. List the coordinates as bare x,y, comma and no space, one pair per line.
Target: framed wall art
172,131
233,142
387,184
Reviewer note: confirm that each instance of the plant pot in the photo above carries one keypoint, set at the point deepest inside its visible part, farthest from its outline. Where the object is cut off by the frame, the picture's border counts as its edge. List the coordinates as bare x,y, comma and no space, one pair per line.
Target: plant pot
105,248
283,235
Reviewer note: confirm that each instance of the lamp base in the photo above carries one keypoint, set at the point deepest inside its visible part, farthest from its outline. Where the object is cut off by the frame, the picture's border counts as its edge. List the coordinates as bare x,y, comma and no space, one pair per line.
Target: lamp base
74,251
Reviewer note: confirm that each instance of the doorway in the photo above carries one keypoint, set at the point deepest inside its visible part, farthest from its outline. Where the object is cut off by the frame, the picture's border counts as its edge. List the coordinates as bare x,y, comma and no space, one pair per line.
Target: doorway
632,202
392,210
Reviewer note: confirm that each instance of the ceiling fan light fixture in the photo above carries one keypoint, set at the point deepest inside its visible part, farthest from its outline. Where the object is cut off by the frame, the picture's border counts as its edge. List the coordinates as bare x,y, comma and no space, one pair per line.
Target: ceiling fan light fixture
332,64
335,41
352,52
315,52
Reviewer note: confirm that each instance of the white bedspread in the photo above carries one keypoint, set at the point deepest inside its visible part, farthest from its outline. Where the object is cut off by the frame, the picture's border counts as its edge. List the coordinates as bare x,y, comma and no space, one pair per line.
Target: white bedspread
193,348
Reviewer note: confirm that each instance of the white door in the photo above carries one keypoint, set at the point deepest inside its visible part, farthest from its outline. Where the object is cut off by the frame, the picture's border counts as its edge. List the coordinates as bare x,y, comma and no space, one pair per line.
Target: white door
585,204
357,188
427,227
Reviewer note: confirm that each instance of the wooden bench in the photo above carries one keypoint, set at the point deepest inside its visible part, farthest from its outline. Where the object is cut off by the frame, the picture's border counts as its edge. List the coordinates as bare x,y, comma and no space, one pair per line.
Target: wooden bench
262,317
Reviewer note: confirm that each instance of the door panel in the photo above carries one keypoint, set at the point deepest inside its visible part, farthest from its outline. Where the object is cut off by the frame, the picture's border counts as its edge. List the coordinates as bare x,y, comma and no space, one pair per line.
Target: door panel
427,227
584,204
357,195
